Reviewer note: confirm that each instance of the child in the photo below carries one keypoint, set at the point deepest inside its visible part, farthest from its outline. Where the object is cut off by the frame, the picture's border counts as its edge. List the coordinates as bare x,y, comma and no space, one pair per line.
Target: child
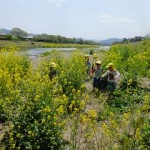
53,70
94,62
88,64
112,75
97,71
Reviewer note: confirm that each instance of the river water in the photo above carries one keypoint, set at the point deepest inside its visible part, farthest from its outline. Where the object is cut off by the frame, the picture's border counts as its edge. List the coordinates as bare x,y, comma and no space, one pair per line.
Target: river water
33,53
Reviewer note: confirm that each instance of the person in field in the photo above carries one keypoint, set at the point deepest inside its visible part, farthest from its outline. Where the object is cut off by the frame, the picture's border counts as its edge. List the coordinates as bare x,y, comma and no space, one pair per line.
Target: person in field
88,64
112,77
95,59
97,71
52,70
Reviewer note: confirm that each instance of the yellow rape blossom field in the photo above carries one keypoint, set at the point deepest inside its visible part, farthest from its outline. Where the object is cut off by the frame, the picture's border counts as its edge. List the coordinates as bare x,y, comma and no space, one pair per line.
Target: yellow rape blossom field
37,113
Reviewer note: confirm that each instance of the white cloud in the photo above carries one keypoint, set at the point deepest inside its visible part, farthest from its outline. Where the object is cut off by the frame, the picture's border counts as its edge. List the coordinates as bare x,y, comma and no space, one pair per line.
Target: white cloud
56,2
111,19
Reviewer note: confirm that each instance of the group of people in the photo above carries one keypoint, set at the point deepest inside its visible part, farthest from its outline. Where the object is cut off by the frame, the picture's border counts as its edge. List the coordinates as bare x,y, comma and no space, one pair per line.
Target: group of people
102,79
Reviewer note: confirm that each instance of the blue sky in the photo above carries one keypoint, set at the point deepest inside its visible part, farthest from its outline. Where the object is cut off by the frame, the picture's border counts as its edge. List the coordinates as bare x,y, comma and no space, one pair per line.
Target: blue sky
88,19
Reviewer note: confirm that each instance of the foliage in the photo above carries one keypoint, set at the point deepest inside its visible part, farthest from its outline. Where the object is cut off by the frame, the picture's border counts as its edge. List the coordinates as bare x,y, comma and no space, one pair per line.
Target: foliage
132,61
13,69
18,33
62,113
61,39
146,135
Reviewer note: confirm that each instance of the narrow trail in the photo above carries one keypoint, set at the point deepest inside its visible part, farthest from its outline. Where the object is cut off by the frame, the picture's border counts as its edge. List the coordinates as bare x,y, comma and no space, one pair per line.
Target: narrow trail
95,98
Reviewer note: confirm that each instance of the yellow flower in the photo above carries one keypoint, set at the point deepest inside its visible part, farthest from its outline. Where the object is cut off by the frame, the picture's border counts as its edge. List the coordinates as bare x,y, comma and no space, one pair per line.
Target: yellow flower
29,132
60,110
18,135
78,92
47,109
70,107
116,147
82,104
73,90
73,103
11,139
83,119
48,117
92,113
43,121
83,86
13,146
36,98
137,134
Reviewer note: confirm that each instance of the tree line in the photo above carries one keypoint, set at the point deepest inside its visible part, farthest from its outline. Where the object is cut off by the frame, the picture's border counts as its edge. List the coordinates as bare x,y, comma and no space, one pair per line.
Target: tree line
18,34
129,40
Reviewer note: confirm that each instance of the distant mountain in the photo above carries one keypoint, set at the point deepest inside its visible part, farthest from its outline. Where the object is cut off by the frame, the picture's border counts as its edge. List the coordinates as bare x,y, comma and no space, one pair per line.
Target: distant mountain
4,31
110,41
31,35
147,36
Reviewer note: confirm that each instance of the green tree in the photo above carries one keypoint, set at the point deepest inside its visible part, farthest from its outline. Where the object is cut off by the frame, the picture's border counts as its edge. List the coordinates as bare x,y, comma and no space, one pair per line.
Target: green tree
9,36
18,33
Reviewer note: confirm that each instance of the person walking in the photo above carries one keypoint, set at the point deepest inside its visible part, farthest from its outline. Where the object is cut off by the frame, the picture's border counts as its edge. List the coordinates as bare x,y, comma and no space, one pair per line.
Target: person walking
88,64
95,59
97,74
112,77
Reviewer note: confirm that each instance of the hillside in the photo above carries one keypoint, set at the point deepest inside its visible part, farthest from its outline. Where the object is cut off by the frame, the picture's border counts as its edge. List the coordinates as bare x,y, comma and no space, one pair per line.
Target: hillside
147,36
110,41
4,31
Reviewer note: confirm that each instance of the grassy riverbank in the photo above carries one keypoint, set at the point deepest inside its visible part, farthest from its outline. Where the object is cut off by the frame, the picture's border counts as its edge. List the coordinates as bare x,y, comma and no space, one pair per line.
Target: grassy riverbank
23,45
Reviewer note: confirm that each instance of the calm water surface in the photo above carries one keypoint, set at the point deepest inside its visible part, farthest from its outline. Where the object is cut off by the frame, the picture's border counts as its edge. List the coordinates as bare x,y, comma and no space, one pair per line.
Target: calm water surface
33,53
38,51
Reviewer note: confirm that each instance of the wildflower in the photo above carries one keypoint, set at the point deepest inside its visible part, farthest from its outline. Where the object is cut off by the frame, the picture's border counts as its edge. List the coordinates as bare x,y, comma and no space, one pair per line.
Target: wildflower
92,114
78,92
11,139
129,82
137,134
60,110
13,146
82,104
48,117
36,98
43,121
83,119
70,107
73,90
18,135
83,86
47,109
116,147
29,132
73,103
